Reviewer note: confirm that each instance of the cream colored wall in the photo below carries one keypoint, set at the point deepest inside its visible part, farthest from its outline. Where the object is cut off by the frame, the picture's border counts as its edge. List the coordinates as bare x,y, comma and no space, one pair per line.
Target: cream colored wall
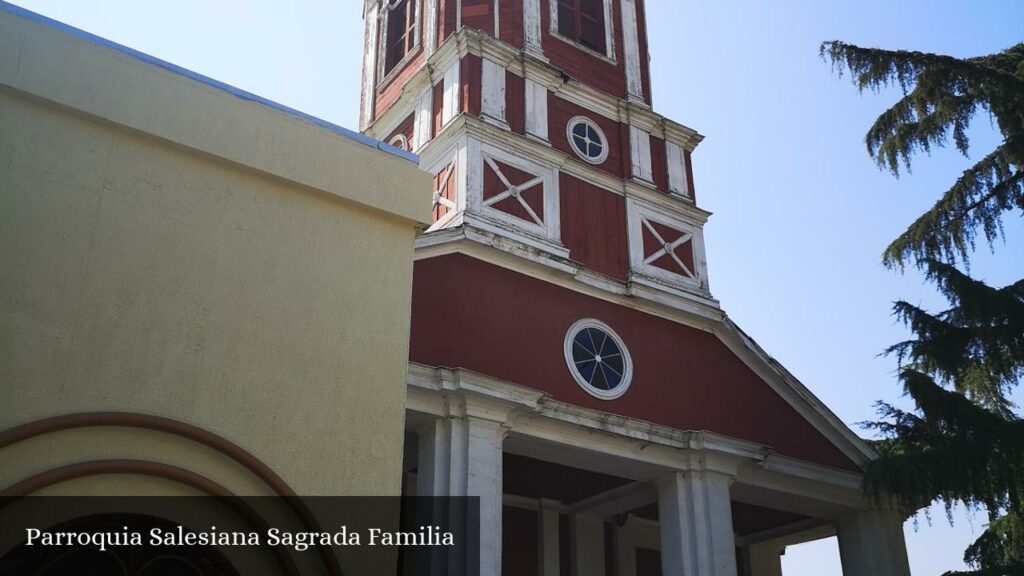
170,249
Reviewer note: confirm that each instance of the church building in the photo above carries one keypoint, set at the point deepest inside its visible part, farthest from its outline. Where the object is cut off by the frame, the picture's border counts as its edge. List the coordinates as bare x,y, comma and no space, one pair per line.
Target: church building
569,363
498,289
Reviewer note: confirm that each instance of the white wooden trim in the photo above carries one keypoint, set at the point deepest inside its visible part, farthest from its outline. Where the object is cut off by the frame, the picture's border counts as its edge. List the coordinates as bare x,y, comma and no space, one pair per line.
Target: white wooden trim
492,90
550,226
430,16
631,48
678,183
424,120
450,106
640,154
536,109
637,215
369,88
532,28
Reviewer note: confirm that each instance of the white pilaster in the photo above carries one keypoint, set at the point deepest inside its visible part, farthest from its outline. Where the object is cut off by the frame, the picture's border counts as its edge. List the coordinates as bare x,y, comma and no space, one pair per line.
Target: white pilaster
872,544
631,48
536,110
640,154
696,524
423,124
369,87
678,183
588,544
429,27
452,88
493,90
532,28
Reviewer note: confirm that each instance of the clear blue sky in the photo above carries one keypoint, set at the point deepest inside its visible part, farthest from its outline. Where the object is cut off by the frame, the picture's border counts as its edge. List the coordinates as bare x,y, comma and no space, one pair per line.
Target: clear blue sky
801,213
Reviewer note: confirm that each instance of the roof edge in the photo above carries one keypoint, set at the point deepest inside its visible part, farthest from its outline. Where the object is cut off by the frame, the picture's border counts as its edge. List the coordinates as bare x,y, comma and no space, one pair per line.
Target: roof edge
213,83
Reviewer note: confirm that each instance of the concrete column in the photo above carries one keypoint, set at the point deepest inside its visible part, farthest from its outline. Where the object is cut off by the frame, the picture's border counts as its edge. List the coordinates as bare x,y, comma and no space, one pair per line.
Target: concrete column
587,545
764,559
696,524
871,544
462,457
547,535
484,479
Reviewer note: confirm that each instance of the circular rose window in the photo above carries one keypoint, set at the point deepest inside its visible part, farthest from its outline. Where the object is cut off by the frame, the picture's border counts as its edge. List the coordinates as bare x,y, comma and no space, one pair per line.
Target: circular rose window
587,140
597,359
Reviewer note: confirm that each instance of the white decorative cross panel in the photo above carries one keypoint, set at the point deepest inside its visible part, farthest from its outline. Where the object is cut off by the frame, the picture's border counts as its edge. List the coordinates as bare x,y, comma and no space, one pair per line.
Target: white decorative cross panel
497,194
665,246
666,243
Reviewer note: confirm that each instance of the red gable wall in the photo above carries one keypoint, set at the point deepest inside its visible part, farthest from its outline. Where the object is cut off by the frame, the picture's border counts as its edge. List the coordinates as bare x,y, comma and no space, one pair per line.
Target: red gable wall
512,327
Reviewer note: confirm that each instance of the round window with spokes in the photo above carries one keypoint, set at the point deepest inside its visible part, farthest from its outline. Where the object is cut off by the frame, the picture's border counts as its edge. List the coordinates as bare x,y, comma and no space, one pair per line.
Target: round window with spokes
597,359
587,140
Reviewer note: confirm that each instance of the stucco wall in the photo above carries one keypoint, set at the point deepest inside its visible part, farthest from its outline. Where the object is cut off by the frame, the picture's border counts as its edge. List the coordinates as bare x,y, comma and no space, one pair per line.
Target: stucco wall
171,249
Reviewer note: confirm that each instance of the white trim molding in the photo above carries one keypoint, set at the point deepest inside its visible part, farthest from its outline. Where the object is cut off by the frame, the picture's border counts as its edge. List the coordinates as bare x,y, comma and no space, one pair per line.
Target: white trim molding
678,181
640,154
641,217
536,110
451,103
532,29
369,87
631,48
483,157
492,91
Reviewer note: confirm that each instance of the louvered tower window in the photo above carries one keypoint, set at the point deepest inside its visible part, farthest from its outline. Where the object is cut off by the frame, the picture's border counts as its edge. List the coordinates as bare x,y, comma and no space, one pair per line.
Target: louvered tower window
400,35
583,22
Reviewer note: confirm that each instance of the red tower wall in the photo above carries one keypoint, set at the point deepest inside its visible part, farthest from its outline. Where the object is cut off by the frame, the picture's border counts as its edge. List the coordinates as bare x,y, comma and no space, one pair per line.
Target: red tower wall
512,327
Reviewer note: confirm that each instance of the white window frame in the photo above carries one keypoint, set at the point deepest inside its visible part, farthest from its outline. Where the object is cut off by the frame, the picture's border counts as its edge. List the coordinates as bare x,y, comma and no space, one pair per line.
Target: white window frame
609,32
627,376
382,43
573,122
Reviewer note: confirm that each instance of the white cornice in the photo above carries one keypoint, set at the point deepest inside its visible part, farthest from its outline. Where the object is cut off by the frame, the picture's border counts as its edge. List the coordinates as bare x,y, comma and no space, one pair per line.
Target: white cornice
527,412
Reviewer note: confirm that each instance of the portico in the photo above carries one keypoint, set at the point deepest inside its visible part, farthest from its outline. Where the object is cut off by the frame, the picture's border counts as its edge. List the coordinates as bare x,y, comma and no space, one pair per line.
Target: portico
609,495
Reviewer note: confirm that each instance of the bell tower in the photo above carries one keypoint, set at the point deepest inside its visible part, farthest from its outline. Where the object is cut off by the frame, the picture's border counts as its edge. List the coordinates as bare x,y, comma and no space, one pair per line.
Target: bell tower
568,363
535,118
